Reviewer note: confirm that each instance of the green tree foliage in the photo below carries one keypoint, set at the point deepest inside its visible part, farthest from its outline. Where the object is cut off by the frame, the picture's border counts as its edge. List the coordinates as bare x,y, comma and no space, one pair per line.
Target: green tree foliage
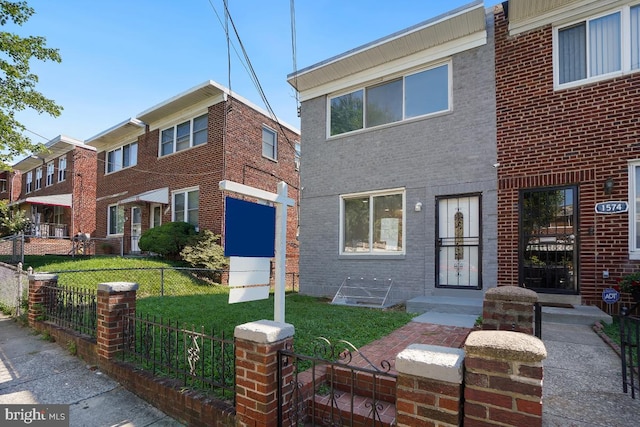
205,252
11,221
17,83
167,240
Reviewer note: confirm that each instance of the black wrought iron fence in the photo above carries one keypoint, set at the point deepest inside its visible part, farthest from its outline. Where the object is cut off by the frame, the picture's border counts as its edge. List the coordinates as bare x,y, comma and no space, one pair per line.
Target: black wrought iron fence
71,308
630,351
199,360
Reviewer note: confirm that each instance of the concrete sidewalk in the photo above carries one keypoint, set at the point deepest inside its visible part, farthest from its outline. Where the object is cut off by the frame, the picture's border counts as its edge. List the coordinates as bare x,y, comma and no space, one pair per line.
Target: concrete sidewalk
582,383
33,370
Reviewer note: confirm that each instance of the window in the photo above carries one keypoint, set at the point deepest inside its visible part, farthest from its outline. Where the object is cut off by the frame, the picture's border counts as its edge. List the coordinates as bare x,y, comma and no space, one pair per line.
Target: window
62,169
58,215
600,46
269,143
413,95
38,178
115,219
184,135
29,182
296,158
3,185
634,209
122,157
185,206
372,223
50,173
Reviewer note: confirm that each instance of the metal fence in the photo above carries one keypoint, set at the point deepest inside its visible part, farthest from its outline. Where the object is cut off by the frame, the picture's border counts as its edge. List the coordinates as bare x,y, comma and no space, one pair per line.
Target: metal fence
197,359
71,308
14,248
630,351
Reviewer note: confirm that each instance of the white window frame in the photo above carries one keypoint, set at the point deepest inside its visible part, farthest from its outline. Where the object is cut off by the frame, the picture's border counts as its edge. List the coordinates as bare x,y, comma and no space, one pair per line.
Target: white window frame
387,79
50,174
174,130
119,164
62,169
296,155
274,154
634,210
38,184
625,47
118,207
185,217
371,195
29,182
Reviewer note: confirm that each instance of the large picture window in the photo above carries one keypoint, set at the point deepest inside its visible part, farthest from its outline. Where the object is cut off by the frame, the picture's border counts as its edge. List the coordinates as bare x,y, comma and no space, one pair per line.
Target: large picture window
122,157
600,46
373,223
186,206
184,135
413,95
115,220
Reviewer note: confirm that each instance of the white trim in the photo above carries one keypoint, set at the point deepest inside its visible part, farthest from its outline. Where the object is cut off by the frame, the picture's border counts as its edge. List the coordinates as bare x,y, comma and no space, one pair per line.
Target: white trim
634,253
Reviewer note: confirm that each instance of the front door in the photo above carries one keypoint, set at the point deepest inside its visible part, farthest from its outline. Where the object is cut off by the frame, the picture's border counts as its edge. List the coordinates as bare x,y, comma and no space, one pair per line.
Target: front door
136,228
548,239
459,257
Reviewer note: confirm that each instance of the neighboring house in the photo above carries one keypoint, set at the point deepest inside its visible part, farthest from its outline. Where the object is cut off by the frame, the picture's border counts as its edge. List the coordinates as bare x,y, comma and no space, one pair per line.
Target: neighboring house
568,118
56,189
398,171
10,185
166,164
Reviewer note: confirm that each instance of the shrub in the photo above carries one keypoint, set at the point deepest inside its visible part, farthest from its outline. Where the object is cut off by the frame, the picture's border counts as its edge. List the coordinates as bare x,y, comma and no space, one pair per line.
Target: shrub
168,239
205,252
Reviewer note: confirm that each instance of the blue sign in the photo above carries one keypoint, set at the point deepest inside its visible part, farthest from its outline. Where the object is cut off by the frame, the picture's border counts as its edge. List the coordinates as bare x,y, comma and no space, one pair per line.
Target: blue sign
612,207
610,296
249,229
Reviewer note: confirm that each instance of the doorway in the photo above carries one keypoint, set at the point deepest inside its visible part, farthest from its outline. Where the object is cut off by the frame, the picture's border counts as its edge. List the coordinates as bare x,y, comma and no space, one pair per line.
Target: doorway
548,249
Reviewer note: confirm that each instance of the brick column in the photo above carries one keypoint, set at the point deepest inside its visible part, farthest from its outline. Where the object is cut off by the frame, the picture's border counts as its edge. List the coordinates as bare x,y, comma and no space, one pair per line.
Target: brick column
509,308
115,300
503,379
37,295
257,345
429,386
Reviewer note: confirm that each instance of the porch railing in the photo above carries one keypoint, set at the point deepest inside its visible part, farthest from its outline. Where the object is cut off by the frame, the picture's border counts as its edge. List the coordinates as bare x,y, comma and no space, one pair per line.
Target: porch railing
48,230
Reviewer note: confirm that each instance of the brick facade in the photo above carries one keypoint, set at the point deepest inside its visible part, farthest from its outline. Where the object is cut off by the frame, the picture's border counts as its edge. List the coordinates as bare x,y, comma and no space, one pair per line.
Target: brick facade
578,136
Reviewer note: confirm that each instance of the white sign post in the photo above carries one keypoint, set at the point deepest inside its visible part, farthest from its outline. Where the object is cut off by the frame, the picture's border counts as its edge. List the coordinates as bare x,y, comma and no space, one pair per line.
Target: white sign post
281,201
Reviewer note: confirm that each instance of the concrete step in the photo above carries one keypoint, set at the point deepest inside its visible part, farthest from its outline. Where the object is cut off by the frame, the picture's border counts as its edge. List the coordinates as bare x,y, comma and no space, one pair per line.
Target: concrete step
341,408
445,304
577,315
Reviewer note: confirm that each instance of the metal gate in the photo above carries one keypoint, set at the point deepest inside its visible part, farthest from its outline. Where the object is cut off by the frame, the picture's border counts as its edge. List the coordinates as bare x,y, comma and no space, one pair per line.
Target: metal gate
630,351
336,386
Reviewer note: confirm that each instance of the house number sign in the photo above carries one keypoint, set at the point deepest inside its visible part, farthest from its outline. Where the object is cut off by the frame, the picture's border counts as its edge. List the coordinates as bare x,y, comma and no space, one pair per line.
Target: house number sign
611,207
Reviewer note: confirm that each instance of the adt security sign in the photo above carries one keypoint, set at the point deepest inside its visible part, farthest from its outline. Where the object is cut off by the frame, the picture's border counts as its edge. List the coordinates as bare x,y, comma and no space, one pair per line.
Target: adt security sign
610,296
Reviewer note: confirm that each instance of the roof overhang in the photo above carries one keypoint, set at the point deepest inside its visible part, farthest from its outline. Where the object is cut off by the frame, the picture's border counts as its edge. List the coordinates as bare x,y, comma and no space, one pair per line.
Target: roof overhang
55,148
159,195
65,200
525,15
122,132
454,25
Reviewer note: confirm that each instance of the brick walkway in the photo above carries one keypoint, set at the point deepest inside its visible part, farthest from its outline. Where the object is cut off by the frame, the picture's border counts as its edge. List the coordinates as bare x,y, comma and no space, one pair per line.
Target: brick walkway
388,347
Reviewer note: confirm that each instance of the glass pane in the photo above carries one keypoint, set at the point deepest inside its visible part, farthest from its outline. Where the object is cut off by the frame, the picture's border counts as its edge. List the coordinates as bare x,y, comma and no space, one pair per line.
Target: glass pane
572,54
427,92
604,45
193,203
387,228
384,103
356,225
178,207
130,155
200,130
637,210
635,37
157,216
166,142
182,136
346,113
268,143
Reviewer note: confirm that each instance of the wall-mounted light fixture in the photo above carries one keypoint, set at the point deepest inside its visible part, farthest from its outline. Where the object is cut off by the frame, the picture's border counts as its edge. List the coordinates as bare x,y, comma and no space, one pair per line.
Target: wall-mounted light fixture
608,186
418,207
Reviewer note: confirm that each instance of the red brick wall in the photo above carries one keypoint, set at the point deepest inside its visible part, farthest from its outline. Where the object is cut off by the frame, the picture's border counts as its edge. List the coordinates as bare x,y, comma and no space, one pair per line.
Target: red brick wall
579,136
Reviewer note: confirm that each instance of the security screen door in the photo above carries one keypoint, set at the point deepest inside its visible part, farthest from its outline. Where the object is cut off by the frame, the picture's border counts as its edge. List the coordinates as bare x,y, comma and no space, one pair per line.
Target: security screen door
458,241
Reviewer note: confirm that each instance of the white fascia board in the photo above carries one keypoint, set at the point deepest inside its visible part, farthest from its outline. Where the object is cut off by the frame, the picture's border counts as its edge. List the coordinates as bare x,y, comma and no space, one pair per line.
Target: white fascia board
424,58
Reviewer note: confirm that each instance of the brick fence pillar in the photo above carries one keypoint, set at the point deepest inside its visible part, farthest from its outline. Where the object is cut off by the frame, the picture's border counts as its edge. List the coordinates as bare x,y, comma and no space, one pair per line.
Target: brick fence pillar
257,345
115,300
509,308
38,296
503,379
429,386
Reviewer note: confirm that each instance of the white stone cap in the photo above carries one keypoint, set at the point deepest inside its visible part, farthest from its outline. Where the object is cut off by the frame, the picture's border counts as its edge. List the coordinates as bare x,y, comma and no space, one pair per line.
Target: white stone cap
264,331
432,362
112,287
43,277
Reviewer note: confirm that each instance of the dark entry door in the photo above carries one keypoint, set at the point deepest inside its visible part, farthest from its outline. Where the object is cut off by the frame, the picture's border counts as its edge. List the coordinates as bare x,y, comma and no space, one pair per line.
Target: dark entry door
549,239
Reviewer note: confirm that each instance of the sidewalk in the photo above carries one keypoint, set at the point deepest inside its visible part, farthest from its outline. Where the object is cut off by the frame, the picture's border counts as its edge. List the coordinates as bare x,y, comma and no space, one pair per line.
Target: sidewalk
33,370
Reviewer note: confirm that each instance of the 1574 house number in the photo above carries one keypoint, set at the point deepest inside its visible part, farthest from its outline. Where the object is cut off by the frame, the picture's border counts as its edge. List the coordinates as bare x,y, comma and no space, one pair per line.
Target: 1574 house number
611,207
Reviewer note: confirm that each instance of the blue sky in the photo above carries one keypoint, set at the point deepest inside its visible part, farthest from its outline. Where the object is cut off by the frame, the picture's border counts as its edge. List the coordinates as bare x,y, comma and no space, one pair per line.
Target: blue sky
120,57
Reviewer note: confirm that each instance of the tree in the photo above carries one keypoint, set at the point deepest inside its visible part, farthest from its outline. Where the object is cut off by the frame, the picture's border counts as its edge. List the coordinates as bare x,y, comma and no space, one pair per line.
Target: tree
17,84
11,221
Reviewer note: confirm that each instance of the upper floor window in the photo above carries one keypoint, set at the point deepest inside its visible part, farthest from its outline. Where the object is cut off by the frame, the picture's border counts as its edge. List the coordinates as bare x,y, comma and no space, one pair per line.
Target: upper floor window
413,95
29,182
38,178
50,173
122,157
184,135
62,169
186,205
598,47
296,158
269,143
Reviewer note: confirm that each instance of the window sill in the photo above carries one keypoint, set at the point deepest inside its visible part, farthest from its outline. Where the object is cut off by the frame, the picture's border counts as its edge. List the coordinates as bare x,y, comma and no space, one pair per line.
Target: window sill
372,256
634,255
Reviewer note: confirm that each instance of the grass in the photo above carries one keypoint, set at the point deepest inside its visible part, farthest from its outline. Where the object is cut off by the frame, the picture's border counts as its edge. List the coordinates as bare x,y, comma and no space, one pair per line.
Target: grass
613,332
